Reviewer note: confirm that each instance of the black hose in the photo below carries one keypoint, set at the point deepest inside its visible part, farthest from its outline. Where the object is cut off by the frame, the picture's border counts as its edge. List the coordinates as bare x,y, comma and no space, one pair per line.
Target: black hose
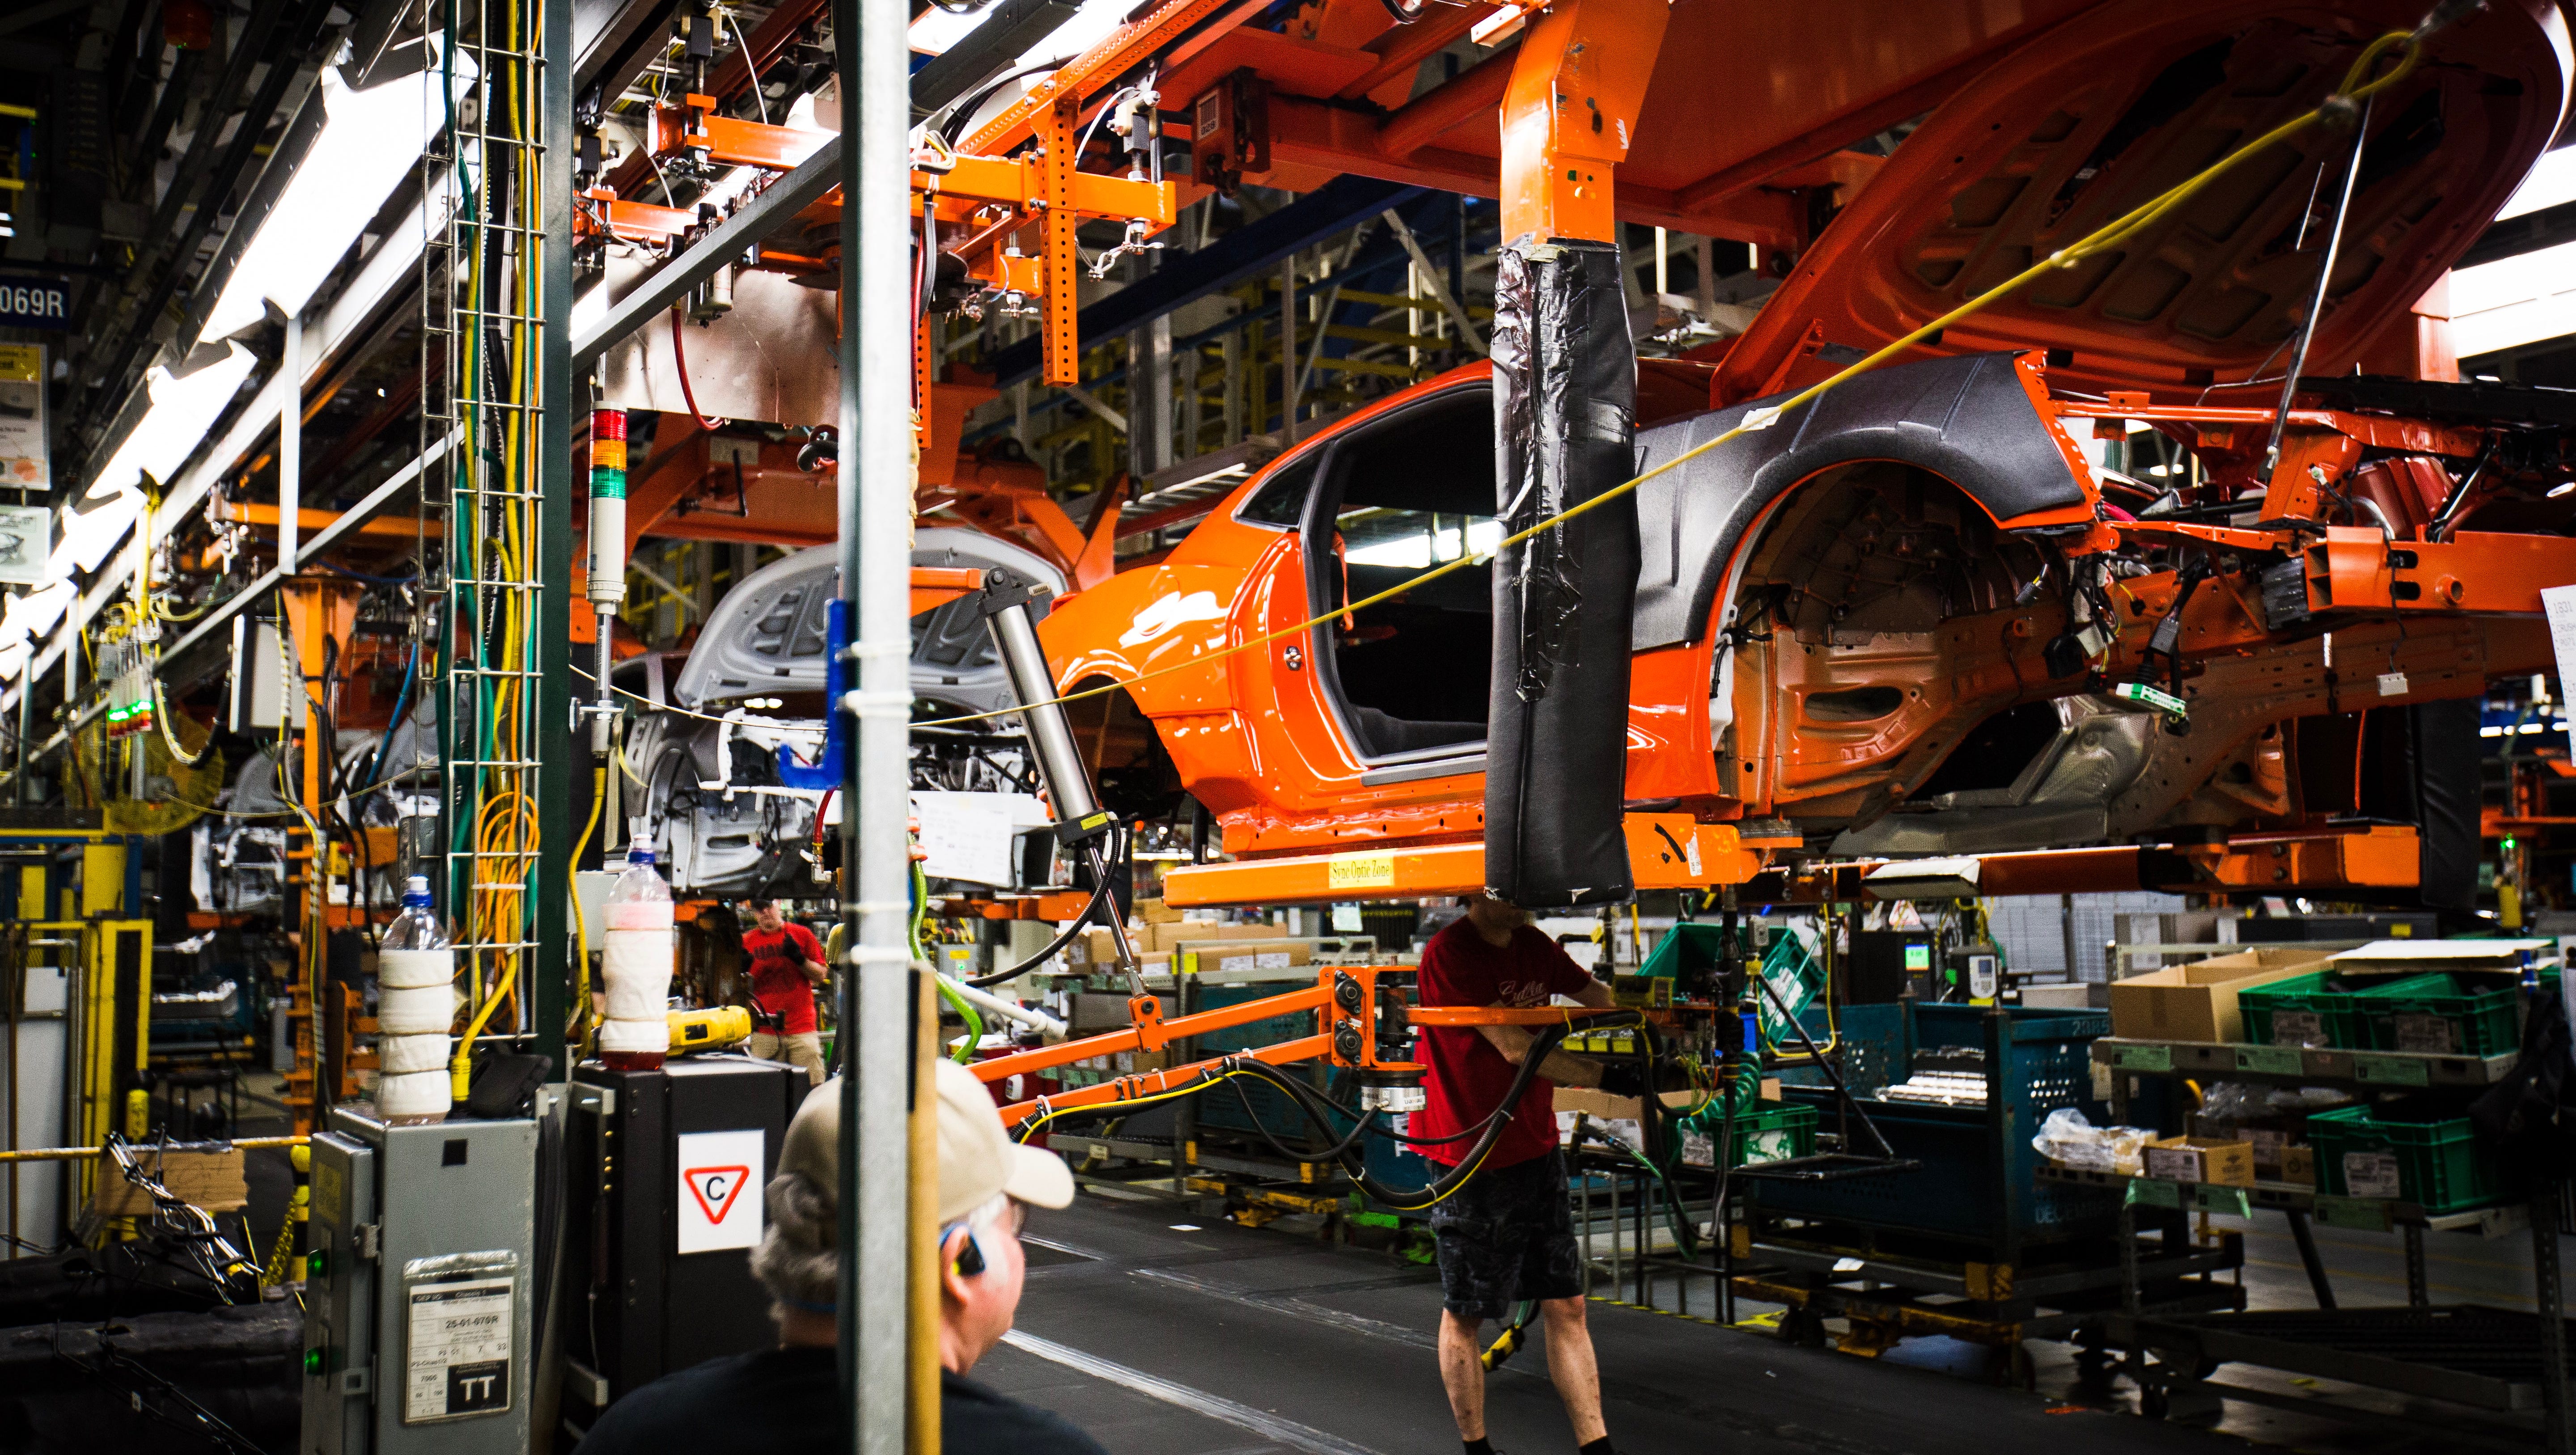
1080,923
1467,1166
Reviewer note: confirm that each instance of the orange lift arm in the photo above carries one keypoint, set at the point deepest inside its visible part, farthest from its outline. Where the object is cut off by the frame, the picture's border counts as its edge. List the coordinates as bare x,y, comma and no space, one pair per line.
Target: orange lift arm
1349,996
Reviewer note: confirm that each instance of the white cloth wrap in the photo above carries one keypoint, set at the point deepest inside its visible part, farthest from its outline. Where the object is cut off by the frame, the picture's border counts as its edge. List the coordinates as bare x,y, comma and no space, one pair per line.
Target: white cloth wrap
420,1010
415,1094
625,1035
412,969
639,1002
404,1055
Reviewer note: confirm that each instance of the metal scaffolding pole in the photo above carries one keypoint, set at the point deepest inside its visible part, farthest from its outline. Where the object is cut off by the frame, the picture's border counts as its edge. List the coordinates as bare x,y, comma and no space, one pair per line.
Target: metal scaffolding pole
876,471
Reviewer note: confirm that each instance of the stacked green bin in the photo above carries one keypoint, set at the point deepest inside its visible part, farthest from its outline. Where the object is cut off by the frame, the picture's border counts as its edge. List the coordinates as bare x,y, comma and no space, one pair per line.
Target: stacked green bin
2333,1015
2438,1164
1775,1132
2446,1013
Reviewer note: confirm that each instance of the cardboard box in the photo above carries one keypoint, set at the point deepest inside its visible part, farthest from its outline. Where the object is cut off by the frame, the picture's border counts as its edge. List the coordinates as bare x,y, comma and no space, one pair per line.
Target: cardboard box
1155,912
2201,1159
2198,1002
1607,1108
1246,955
211,1180
2299,1165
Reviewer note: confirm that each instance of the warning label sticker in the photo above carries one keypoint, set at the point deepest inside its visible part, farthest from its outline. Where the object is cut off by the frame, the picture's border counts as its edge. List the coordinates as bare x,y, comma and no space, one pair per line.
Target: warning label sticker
457,1361
718,1198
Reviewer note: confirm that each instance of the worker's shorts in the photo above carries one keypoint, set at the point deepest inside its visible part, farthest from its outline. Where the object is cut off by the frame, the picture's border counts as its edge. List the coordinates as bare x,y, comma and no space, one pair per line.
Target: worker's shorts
1508,1236
803,1050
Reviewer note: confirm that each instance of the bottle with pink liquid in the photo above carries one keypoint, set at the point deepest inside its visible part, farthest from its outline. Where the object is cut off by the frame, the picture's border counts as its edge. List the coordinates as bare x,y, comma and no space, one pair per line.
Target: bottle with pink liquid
635,963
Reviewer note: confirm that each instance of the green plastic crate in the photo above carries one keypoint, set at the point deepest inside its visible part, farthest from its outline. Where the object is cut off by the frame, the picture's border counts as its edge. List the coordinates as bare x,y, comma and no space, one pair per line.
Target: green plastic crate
1777,1132
2447,1013
2323,1016
2436,1164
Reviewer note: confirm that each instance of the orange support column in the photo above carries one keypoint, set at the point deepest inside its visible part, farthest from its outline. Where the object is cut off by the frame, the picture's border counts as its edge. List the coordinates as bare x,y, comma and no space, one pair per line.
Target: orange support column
1570,115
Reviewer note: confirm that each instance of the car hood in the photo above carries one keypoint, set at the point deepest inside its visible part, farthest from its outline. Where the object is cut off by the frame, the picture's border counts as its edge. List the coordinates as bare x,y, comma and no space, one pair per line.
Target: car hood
2101,113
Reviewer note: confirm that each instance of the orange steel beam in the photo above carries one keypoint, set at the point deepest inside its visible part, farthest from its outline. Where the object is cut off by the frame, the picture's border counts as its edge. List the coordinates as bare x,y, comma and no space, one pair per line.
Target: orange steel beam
1406,47
976,183
1121,50
1062,304
1394,873
730,142
602,212
1570,115
308,522
936,586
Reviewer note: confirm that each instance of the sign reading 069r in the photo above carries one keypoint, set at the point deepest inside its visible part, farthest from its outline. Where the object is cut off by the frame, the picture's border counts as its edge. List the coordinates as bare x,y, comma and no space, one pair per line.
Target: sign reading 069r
35,302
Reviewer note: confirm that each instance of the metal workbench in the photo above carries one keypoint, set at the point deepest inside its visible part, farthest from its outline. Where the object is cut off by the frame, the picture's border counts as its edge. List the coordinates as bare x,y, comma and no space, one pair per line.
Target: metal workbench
2484,1358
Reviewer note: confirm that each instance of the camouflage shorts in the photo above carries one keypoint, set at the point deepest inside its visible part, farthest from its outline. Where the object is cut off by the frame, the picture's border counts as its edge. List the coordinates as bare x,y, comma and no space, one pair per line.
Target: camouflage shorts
1508,1236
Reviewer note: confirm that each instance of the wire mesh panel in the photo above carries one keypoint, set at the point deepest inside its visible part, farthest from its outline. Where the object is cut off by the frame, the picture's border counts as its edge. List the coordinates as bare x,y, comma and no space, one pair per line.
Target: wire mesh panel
481,340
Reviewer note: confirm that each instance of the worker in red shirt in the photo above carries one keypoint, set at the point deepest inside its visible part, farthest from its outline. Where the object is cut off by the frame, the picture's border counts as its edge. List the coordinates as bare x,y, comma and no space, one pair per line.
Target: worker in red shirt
786,967
1508,1234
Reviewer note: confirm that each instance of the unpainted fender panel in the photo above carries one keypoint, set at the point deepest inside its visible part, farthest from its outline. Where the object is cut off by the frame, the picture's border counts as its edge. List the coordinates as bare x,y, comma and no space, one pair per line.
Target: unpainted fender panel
1967,419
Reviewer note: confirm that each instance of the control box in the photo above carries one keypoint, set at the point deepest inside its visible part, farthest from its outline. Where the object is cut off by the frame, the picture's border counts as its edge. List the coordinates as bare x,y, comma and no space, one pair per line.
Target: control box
665,1203
419,1334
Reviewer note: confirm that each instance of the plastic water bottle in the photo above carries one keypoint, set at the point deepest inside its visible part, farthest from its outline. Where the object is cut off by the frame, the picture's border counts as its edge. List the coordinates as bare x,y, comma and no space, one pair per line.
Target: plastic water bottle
415,1009
635,963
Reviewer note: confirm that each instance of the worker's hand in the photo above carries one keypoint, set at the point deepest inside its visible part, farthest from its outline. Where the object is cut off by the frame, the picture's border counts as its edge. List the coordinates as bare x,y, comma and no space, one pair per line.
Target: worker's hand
1629,1078
1623,1078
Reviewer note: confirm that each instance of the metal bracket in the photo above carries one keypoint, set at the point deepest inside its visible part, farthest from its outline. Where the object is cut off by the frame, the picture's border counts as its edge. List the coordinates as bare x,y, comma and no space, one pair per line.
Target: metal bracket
369,1240
355,1382
597,1100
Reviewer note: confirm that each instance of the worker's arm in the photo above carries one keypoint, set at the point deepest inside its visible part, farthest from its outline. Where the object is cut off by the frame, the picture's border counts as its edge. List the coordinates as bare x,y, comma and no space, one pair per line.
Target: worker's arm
1563,1069
811,965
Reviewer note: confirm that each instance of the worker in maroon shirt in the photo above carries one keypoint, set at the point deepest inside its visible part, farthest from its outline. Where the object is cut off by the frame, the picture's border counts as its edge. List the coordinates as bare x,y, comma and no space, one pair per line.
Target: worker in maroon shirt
1508,1234
786,966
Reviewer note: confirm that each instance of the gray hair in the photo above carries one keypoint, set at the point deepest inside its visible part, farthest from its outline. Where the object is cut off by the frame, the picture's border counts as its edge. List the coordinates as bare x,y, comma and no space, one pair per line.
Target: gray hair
799,1257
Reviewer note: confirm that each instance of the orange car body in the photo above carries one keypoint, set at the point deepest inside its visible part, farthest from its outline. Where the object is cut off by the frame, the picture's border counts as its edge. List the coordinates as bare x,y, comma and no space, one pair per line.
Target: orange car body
1879,721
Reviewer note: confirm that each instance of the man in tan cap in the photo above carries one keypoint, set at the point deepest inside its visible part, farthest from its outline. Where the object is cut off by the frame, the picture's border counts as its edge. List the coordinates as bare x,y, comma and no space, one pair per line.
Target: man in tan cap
788,1398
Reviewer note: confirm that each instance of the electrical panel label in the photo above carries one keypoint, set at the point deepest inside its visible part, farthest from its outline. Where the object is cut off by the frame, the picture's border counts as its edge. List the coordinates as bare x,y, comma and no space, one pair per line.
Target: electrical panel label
719,1193
458,1359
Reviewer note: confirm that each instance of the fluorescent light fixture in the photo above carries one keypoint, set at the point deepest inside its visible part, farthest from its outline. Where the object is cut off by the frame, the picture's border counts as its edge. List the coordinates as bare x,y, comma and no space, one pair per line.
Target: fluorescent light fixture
88,538
370,141
937,29
184,407
29,616
2552,181
2513,301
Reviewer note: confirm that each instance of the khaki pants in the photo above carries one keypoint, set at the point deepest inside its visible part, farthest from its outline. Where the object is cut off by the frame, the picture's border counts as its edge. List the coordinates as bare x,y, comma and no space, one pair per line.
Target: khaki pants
805,1050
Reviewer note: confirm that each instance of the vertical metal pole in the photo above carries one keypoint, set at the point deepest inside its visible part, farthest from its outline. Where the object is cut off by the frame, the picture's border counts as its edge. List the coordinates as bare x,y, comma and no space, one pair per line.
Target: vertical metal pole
2066,922
2417,1295
555,739
1288,350
2546,1287
876,472
290,444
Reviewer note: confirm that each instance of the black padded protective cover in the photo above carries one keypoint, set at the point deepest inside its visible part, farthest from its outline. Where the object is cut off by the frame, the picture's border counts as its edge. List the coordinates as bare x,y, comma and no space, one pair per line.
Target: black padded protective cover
1966,419
1565,405
2446,802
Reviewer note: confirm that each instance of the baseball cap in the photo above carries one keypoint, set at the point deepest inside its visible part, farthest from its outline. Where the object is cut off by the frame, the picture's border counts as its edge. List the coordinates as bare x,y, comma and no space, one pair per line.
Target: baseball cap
977,1157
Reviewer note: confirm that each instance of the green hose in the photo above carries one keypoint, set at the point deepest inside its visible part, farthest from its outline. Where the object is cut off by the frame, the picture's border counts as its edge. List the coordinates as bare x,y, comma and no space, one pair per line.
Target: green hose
920,916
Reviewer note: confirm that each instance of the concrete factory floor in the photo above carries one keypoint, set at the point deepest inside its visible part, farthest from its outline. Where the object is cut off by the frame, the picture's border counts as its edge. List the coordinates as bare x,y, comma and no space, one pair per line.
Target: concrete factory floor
1164,1334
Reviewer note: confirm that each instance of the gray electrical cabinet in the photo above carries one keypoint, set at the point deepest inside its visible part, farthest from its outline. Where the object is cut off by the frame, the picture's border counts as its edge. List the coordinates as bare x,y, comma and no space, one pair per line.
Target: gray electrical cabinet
418,1332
